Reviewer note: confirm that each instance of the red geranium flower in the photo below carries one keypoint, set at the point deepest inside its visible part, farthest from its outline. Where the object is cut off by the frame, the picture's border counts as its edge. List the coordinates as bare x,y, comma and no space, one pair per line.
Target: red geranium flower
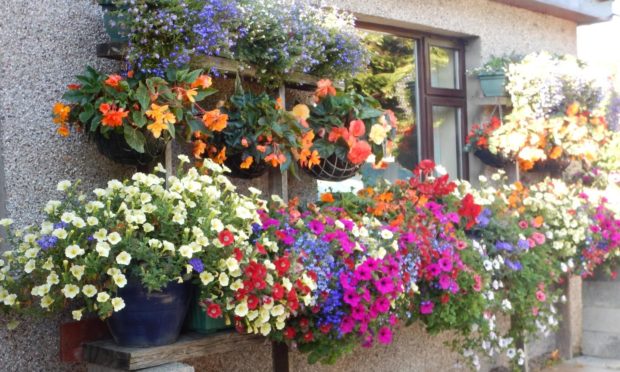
252,302
277,292
226,237
214,311
290,333
469,210
308,336
427,165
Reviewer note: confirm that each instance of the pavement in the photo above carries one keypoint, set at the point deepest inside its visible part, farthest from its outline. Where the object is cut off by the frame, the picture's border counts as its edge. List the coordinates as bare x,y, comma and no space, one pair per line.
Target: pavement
587,364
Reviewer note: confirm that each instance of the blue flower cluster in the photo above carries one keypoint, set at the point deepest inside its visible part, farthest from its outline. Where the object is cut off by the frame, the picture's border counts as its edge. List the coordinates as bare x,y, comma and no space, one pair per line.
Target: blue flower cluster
317,256
47,241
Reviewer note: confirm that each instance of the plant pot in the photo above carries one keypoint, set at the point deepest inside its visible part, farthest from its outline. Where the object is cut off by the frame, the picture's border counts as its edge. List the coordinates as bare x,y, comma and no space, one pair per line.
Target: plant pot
150,319
255,170
115,148
198,320
333,168
493,85
113,17
491,159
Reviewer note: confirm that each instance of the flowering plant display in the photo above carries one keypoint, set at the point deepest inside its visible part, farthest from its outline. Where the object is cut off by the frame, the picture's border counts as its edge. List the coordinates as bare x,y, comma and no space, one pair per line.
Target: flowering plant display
363,271
257,132
86,250
478,136
578,134
541,85
140,111
275,36
348,125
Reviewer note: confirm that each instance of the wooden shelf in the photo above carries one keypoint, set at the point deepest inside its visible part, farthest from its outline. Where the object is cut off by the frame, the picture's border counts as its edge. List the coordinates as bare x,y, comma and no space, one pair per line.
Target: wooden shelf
118,51
191,345
493,101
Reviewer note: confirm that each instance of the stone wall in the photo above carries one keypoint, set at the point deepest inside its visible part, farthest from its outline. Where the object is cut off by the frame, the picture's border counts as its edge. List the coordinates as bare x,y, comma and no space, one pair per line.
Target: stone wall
44,43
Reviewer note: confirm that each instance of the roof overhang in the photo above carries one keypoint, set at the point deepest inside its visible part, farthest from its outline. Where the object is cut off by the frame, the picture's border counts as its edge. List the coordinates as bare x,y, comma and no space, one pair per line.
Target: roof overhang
579,11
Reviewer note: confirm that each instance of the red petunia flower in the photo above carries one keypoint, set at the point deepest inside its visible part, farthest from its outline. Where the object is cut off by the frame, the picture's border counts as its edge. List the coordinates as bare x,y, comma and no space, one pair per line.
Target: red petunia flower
469,210
282,265
277,292
226,237
290,333
214,311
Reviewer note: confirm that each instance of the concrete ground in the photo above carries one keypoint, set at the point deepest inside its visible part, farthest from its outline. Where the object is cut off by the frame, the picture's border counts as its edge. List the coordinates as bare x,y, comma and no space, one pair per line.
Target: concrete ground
587,364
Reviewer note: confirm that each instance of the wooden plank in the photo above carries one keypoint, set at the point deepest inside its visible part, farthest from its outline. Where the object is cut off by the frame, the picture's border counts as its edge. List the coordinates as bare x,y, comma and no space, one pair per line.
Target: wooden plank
191,345
279,357
118,51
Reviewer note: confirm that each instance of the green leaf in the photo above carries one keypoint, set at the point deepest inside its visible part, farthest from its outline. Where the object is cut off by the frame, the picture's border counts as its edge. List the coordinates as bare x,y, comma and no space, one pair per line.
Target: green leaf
142,95
192,76
197,125
204,94
135,139
87,113
138,119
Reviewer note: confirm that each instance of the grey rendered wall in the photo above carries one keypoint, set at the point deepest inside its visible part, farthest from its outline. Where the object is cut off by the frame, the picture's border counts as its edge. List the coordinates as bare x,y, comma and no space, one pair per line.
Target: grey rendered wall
43,43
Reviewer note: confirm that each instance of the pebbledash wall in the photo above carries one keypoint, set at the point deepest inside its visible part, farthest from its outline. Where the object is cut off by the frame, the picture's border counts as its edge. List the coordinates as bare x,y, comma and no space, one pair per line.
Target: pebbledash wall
44,43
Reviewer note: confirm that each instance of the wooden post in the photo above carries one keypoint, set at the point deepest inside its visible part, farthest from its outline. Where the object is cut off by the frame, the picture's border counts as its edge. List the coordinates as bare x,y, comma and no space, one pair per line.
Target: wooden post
278,184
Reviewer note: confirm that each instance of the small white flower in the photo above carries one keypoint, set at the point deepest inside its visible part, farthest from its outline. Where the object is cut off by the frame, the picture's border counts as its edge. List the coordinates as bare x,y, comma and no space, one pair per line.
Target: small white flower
9,300
206,277
77,271
232,264
506,305
77,314
73,251
103,248
223,279
386,234
277,310
123,258
103,297
511,353
78,222
254,190
118,304
114,238
70,290
186,251
92,221
147,227
52,279
89,290
183,158
241,309
265,329
29,267
60,234
101,235
63,185
120,280
46,302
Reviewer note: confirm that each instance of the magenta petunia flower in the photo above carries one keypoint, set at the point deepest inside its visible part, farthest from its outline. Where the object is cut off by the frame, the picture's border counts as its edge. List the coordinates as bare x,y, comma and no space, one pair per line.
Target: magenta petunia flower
347,325
384,285
540,296
433,270
351,298
382,305
316,227
363,273
358,312
385,335
445,264
426,307
445,282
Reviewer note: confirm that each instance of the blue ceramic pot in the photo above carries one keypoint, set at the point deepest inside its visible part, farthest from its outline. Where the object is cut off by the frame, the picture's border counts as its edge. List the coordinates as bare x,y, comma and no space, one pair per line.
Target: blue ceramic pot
150,319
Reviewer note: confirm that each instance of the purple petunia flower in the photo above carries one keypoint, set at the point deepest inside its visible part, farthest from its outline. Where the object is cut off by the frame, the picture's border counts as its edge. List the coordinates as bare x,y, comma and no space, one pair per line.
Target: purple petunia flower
197,265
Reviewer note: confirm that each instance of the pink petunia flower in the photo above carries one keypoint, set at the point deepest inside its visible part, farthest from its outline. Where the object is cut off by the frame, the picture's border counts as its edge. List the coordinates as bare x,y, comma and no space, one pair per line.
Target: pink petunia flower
540,296
385,335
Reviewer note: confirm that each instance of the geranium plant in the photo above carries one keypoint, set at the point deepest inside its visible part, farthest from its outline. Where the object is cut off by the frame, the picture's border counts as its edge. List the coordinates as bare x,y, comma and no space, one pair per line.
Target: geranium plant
142,113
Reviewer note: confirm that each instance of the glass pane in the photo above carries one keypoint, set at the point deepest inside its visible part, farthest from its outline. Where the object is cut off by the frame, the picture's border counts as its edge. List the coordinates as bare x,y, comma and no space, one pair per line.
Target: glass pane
444,68
391,78
446,134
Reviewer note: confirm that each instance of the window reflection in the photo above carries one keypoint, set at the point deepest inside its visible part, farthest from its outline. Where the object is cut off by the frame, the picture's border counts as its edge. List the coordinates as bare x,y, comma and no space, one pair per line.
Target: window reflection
444,68
446,134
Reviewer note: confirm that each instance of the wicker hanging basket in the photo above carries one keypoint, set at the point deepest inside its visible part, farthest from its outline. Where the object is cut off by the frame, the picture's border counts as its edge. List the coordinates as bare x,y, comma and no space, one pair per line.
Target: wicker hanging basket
255,170
115,148
551,165
333,168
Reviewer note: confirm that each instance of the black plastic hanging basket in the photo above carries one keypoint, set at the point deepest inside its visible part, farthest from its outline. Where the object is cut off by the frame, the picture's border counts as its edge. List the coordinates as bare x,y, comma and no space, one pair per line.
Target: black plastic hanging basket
333,168
255,170
491,159
115,148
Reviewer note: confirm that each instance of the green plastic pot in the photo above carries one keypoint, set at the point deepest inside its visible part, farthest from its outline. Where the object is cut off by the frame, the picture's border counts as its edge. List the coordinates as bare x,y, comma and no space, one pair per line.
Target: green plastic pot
198,320
493,85
112,20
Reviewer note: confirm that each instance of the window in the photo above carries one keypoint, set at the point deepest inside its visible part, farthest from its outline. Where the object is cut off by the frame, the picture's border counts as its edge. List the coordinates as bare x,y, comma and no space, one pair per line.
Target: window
421,79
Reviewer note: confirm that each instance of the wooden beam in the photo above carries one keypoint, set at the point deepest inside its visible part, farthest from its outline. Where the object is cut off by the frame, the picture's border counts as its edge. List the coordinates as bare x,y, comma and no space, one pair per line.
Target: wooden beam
192,345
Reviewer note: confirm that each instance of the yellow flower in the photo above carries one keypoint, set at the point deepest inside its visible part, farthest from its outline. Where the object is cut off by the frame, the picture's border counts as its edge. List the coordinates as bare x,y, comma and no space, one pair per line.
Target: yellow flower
156,128
301,111
377,134
191,94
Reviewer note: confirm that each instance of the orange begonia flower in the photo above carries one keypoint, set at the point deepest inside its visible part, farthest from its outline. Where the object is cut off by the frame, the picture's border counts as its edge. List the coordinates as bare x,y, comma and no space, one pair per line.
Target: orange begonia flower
215,120
220,158
555,153
275,159
74,86
191,94
246,163
157,127
261,148
314,159
104,108
337,133
130,74
61,113
359,152
324,88
357,128
199,149
114,118
538,221
203,82
63,130
113,80
279,105
327,197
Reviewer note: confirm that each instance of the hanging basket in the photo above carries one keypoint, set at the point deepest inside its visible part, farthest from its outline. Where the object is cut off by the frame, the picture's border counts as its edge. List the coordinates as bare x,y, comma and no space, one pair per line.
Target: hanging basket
491,159
551,165
115,148
333,168
493,85
255,170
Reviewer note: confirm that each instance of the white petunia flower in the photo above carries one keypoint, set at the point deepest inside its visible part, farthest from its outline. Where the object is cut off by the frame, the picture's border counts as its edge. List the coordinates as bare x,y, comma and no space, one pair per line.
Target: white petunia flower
114,238
103,297
89,290
63,185
103,248
70,290
118,304
73,251
123,258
